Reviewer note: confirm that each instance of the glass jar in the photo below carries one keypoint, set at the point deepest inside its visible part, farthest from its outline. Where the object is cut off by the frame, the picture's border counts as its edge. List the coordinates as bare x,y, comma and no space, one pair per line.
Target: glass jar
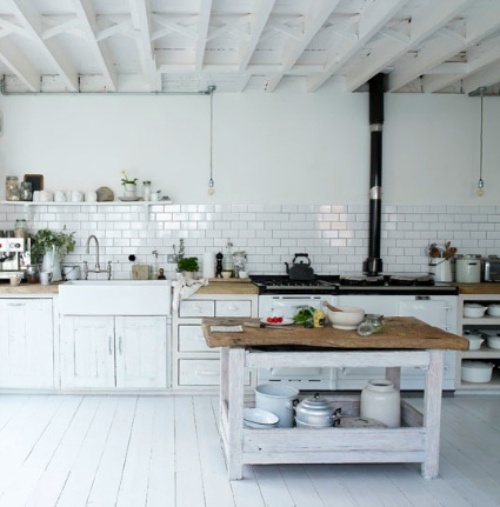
26,193
33,274
372,323
146,190
21,228
12,188
380,400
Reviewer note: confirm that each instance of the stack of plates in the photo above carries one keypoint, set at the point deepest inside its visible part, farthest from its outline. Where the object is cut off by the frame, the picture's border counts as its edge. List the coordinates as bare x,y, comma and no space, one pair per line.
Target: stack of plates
260,419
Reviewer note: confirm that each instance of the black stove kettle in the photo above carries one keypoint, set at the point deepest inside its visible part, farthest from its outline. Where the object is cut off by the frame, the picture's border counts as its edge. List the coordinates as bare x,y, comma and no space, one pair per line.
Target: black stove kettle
300,271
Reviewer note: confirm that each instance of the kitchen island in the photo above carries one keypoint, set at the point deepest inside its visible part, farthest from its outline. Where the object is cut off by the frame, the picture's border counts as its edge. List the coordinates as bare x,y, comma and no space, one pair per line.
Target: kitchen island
405,342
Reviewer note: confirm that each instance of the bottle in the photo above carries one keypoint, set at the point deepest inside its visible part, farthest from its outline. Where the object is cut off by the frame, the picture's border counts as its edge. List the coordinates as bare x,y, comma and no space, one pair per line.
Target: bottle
21,228
26,193
12,188
146,190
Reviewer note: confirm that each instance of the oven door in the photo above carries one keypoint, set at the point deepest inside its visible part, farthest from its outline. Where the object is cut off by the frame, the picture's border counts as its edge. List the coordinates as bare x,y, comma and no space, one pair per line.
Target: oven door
302,378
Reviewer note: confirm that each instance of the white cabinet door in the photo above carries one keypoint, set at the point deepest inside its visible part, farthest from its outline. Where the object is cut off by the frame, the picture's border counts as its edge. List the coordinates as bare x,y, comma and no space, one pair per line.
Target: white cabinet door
26,343
141,352
87,352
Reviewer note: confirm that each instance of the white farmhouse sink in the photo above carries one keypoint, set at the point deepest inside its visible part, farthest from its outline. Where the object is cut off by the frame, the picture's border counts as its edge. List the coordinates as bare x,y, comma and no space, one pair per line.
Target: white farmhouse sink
116,297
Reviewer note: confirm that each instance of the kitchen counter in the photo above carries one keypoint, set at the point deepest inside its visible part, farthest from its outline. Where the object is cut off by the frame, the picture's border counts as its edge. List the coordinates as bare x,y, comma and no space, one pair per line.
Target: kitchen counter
478,288
228,287
28,289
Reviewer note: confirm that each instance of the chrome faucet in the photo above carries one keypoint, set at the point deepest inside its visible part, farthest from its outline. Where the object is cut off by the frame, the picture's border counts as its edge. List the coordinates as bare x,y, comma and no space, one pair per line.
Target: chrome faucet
97,266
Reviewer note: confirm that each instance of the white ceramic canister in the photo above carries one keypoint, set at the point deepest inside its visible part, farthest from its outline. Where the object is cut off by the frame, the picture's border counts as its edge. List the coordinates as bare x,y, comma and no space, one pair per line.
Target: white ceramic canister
278,400
208,265
381,401
468,268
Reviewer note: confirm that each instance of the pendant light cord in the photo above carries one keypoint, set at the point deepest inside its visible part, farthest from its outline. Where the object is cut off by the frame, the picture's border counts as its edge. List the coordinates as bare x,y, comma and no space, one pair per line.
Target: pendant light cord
481,140
211,184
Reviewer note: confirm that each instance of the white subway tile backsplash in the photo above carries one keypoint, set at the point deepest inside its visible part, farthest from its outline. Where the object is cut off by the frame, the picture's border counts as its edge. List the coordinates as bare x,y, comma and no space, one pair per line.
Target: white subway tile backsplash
334,235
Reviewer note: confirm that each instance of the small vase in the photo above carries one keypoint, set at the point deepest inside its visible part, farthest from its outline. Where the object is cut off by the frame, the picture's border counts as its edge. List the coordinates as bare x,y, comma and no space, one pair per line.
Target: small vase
130,190
381,401
188,275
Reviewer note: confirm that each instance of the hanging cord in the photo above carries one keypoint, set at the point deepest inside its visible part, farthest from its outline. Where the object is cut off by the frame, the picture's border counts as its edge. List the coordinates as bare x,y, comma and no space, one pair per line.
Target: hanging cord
480,183
211,189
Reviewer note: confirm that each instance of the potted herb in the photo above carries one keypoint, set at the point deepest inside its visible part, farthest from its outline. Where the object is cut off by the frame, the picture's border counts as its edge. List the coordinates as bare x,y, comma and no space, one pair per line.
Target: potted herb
49,247
188,265
129,185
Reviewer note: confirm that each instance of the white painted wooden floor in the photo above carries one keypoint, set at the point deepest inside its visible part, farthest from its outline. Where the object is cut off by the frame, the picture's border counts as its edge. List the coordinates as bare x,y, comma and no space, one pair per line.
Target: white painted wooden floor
134,451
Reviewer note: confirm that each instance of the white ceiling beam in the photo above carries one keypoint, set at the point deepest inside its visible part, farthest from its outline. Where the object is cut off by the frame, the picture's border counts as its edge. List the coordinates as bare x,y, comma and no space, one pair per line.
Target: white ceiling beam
31,20
297,70
122,28
423,23
87,18
371,20
203,26
9,27
64,27
170,26
141,22
479,24
315,18
489,76
228,27
15,61
260,19
478,58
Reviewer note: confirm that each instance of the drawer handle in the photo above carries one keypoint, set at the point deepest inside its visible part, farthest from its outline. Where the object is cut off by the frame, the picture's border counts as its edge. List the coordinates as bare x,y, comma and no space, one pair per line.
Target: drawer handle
233,308
208,373
110,345
16,304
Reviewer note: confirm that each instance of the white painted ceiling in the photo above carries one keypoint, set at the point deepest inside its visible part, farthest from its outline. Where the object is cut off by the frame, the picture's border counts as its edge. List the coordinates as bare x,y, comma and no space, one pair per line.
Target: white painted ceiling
84,46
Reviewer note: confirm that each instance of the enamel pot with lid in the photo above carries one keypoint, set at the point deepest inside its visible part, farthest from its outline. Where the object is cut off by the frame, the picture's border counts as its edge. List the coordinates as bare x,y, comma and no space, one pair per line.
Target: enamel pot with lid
315,412
468,268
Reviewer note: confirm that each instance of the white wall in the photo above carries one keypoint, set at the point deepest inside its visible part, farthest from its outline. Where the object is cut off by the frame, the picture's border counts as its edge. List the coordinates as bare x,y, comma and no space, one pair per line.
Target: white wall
285,147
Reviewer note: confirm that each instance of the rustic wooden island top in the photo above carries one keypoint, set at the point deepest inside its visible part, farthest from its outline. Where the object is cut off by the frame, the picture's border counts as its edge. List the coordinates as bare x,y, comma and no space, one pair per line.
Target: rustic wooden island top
398,333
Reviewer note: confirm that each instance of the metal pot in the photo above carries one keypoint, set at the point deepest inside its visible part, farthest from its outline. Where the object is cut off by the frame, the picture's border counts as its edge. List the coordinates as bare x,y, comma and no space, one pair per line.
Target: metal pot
299,270
468,268
315,412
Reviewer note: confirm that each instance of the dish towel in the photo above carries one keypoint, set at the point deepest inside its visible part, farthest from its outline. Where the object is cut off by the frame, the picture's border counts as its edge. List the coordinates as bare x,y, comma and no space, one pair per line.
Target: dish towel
183,288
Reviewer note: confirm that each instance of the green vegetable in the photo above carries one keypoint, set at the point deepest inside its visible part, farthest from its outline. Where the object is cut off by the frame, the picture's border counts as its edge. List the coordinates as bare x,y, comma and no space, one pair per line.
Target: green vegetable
305,316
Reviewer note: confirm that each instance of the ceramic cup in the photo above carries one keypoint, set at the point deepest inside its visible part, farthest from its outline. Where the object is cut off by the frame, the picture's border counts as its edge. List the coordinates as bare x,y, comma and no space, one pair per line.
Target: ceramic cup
90,196
45,277
226,274
59,196
36,196
46,196
15,280
76,196
243,274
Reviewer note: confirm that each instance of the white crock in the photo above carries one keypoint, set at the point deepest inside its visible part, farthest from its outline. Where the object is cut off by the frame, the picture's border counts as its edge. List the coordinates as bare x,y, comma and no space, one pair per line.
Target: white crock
381,401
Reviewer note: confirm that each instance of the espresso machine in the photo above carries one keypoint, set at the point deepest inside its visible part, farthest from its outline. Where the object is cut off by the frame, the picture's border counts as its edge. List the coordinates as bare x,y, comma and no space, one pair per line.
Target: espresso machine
14,257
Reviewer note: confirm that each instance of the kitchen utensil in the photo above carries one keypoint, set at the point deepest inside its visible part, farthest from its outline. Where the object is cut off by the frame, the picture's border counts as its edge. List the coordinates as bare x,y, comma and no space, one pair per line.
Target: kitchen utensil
278,400
380,400
331,307
259,419
476,371
348,318
315,412
474,310
300,270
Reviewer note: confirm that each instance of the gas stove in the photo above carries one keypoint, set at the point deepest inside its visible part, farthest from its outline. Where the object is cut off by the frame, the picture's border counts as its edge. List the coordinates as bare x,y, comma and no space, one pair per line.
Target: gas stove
419,284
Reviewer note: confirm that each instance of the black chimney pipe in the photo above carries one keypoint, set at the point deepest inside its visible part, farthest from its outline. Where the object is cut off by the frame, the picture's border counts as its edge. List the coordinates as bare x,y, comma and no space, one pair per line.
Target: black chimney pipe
373,264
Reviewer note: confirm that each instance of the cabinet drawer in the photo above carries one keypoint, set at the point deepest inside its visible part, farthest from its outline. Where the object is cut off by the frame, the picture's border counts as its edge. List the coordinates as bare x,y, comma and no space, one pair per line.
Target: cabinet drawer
233,308
191,339
196,309
202,372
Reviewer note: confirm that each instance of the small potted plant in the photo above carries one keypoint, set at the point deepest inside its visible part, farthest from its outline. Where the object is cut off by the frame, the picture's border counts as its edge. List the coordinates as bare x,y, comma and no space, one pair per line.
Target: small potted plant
188,266
129,185
49,247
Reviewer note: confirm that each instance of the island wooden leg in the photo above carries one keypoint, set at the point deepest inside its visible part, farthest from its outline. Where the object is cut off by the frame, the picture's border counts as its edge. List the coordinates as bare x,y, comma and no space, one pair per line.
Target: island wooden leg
432,413
236,372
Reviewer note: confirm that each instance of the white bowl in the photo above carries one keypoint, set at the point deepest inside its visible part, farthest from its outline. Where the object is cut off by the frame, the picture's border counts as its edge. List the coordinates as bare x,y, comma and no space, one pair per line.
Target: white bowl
475,341
477,371
473,310
260,419
494,310
494,342
349,318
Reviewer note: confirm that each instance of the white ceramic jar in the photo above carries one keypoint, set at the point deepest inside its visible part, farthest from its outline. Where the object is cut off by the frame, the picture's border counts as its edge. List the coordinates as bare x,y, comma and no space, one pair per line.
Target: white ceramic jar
381,401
